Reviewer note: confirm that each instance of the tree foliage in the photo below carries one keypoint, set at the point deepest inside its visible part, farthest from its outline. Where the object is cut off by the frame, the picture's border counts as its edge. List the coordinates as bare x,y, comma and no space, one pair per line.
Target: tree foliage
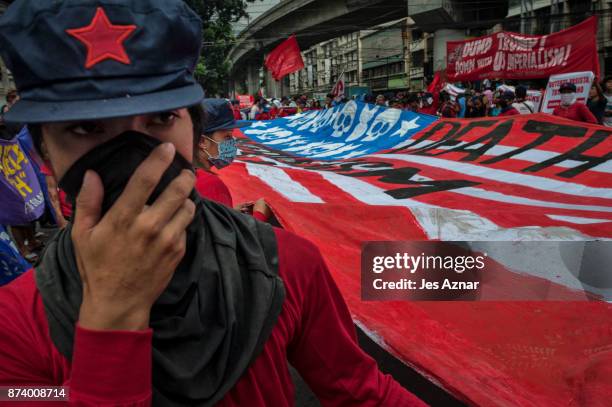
217,39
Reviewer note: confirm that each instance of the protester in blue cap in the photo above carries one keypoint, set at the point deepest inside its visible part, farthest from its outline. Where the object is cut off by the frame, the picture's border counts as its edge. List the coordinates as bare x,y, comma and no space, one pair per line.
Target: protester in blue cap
152,295
217,148
570,108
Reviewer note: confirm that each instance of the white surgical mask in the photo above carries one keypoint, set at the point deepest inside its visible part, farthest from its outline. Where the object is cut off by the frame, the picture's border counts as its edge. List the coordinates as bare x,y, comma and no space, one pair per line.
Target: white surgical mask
567,98
429,101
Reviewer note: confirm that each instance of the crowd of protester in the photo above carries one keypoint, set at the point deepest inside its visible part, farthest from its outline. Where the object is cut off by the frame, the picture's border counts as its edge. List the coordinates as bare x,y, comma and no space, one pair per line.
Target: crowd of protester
484,101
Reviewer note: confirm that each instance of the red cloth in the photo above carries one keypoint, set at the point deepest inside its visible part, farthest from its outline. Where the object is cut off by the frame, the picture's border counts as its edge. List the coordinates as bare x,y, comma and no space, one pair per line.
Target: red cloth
211,187
510,112
262,116
428,110
65,206
314,332
576,111
237,114
285,59
45,170
287,111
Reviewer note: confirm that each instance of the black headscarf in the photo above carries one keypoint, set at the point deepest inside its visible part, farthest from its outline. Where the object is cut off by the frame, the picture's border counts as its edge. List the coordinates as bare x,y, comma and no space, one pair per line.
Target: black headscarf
220,306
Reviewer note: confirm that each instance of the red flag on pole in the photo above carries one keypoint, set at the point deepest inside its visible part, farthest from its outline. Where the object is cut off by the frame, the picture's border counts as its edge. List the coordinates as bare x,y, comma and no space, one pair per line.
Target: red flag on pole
437,83
338,90
285,59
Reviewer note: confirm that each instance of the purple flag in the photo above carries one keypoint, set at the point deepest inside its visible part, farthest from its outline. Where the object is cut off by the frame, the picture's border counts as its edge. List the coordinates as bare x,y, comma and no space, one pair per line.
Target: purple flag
21,199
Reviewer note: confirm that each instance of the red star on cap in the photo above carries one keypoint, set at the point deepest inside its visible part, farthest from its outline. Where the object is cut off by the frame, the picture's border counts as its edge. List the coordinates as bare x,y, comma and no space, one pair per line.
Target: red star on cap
103,39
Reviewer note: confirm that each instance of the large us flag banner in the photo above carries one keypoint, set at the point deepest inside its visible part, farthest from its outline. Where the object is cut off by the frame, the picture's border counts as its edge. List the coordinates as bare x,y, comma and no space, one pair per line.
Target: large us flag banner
358,173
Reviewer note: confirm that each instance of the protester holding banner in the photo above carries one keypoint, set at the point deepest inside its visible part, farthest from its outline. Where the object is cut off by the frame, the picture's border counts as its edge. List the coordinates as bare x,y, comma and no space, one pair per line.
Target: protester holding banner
217,148
153,294
570,108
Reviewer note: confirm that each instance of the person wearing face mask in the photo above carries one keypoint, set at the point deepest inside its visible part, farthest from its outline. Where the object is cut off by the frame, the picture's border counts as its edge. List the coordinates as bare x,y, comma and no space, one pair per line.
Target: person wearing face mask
570,108
217,148
152,295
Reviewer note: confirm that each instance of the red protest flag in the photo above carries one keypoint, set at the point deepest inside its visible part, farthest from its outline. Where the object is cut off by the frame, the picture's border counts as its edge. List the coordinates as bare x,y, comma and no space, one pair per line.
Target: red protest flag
285,59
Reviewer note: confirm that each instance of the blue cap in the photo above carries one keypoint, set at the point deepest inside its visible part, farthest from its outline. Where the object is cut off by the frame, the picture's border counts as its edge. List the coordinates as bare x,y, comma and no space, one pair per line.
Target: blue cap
218,115
85,60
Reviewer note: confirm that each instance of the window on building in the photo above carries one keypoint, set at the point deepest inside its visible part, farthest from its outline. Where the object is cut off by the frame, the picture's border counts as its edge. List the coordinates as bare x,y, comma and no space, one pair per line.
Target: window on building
418,58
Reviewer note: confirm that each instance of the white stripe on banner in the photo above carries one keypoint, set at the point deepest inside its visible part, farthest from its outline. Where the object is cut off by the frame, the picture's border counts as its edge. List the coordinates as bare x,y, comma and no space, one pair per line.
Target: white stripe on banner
531,181
518,200
280,181
577,220
512,199
533,156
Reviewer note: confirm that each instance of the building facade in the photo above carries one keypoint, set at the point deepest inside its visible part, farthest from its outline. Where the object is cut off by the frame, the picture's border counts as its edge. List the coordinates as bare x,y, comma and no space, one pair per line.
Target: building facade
387,58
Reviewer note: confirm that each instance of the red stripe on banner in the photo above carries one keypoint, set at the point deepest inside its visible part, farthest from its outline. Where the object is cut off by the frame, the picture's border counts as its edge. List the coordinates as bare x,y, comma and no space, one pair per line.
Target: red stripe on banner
328,192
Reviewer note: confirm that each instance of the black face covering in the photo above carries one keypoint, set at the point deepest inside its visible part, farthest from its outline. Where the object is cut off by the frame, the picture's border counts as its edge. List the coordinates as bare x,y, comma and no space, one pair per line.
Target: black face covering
115,161
220,306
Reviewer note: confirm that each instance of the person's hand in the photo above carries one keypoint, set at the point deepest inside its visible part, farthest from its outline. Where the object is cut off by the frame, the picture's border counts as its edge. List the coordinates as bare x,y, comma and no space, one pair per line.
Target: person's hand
61,222
127,258
246,207
262,207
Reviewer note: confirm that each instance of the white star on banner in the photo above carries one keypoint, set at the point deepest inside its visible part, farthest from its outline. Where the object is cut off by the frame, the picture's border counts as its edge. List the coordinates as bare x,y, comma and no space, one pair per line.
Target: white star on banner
406,127
258,124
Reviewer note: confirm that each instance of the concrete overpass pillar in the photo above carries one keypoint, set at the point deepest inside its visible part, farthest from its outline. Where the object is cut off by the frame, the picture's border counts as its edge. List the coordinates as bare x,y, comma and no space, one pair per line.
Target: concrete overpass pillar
441,37
252,79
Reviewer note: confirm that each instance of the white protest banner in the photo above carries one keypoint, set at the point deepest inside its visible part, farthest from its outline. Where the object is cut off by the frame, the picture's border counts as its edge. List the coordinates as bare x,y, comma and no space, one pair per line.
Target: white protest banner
552,98
535,96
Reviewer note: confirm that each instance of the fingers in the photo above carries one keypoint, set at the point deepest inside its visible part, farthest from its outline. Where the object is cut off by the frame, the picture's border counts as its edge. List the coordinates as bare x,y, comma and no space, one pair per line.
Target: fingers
143,182
173,197
88,203
173,236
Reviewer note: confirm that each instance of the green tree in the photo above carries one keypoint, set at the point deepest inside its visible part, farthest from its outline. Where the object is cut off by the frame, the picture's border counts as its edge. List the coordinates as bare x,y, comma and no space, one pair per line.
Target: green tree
217,39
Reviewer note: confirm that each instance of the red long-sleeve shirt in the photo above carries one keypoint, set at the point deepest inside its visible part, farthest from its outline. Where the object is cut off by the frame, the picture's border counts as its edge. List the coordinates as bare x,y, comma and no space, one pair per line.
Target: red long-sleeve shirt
113,368
576,111
211,187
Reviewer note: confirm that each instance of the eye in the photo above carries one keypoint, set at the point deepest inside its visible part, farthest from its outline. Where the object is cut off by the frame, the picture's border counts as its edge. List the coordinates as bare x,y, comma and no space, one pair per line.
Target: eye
86,128
163,118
